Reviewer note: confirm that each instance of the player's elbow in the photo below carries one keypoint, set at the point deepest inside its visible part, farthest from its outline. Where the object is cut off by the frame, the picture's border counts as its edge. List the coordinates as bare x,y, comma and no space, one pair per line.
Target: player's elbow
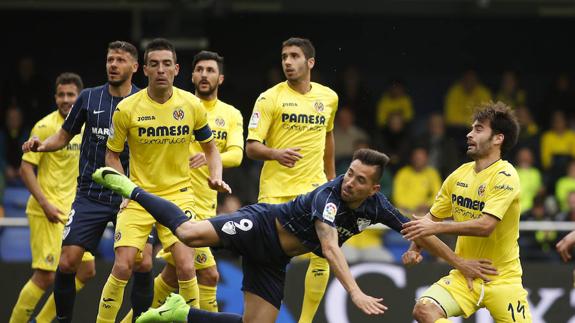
486,230
251,149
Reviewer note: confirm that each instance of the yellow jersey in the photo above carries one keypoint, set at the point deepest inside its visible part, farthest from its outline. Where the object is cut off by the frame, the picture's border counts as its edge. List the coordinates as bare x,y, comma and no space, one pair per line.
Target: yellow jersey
58,170
467,195
159,138
412,189
284,118
226,123
459,104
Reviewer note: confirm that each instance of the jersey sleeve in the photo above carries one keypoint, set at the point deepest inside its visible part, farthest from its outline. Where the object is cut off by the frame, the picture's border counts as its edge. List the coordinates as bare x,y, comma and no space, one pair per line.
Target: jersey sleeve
332,114
42,130
501,192
236,135
261,119
441,207
202,131
77,116
325,206
388,214
119,129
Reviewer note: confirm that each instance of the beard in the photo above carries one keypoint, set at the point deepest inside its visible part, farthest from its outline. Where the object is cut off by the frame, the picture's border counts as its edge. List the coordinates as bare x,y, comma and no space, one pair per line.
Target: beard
211,89
119,82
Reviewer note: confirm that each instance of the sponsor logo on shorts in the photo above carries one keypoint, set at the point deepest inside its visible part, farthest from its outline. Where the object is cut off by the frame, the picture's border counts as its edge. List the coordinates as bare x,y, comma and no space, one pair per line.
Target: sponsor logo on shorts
329,212
50,259
201,258
244,225
117,236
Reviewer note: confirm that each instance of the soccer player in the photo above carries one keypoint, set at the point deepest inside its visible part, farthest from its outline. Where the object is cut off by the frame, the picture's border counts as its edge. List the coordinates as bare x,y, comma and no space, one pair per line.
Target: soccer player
52,189
159,124
94,206
482,196
295,120
269,235
227,127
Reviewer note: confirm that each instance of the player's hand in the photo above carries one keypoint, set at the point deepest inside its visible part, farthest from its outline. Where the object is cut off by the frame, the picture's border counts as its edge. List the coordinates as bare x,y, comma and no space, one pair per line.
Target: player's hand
287,157
565,245
419,227
369,305
198,160
32,144
52,213
219,185
473,269
411,257
124,203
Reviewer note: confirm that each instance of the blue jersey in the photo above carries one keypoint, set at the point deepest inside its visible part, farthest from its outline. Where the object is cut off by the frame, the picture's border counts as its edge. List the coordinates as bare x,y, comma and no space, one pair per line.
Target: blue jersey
325,204
94,108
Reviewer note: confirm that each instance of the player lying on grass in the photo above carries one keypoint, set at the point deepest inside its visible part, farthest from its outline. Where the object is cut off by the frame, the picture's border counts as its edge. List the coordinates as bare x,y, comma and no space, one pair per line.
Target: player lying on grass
268,236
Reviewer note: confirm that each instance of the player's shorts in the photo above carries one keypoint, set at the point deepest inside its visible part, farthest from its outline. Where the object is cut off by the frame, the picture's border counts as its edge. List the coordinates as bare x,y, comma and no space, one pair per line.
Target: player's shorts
504,298
134,224
87,221
203,256
276,199
252,233
46,242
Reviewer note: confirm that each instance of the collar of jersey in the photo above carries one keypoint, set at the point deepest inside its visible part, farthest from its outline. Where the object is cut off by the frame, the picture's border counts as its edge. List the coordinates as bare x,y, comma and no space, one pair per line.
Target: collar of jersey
211,104
161,105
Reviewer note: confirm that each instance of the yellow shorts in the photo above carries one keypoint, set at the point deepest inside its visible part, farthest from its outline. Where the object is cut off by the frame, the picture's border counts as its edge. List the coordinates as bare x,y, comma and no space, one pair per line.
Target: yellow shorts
134,224
203,258
46,242
276,200
504,298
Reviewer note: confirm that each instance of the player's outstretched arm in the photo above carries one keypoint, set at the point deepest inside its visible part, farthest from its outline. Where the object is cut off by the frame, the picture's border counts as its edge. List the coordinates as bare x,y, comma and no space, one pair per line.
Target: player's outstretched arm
565,245
426,226
330,249
55,142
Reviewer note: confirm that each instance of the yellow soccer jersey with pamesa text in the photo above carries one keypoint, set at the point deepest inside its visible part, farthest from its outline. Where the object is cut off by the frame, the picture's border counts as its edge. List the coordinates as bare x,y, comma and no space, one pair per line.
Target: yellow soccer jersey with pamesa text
226,123
466,195
57,171
159,137
284,118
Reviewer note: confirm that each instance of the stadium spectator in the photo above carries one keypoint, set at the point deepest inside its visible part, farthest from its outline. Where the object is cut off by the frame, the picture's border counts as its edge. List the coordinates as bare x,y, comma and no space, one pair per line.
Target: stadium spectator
529,178
415,185
394,99
509,91
537,245
557,148
354,93
528,131
461,97
12,137
439,145
565,185
569,213
395,141
346,134
561,97
27,90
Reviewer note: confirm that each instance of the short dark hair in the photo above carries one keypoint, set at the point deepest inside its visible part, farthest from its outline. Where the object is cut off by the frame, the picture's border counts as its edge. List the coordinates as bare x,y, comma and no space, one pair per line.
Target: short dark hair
303,43
160,44
502,120
206,55
124,46
372,158
70,78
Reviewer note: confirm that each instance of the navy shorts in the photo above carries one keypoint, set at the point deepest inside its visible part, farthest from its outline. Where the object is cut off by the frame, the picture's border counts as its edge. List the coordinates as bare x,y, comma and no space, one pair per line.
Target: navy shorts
251,232
87,222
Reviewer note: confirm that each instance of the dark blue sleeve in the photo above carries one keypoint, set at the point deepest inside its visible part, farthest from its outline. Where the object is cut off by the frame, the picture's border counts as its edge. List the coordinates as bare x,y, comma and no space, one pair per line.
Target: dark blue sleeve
77,116
388,214
325,206
204,134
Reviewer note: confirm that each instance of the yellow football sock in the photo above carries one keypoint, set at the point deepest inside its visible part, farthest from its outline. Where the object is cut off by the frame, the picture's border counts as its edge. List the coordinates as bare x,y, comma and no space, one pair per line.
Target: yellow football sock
161,291
442,320
190,291
111,300
48,312
316,280
208,301
27,300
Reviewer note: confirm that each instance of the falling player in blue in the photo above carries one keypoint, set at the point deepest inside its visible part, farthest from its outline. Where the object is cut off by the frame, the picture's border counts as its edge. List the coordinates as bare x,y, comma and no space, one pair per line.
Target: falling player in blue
94,205
268,236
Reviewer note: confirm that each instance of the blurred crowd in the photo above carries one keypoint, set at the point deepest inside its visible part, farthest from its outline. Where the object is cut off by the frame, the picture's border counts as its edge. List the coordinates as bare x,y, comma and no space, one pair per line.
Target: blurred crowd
424,149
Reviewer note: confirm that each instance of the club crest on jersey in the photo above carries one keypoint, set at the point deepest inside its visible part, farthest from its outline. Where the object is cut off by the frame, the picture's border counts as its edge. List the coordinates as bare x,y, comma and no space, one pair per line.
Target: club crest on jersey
363,223
178,114
220,122
254,120
329,212
318,105
481,190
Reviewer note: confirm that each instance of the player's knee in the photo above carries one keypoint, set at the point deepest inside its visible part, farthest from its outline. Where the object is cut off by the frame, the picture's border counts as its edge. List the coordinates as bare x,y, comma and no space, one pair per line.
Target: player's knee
123,266
424,312
68,263
208,276
145,265
185,269
44,279
87,271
